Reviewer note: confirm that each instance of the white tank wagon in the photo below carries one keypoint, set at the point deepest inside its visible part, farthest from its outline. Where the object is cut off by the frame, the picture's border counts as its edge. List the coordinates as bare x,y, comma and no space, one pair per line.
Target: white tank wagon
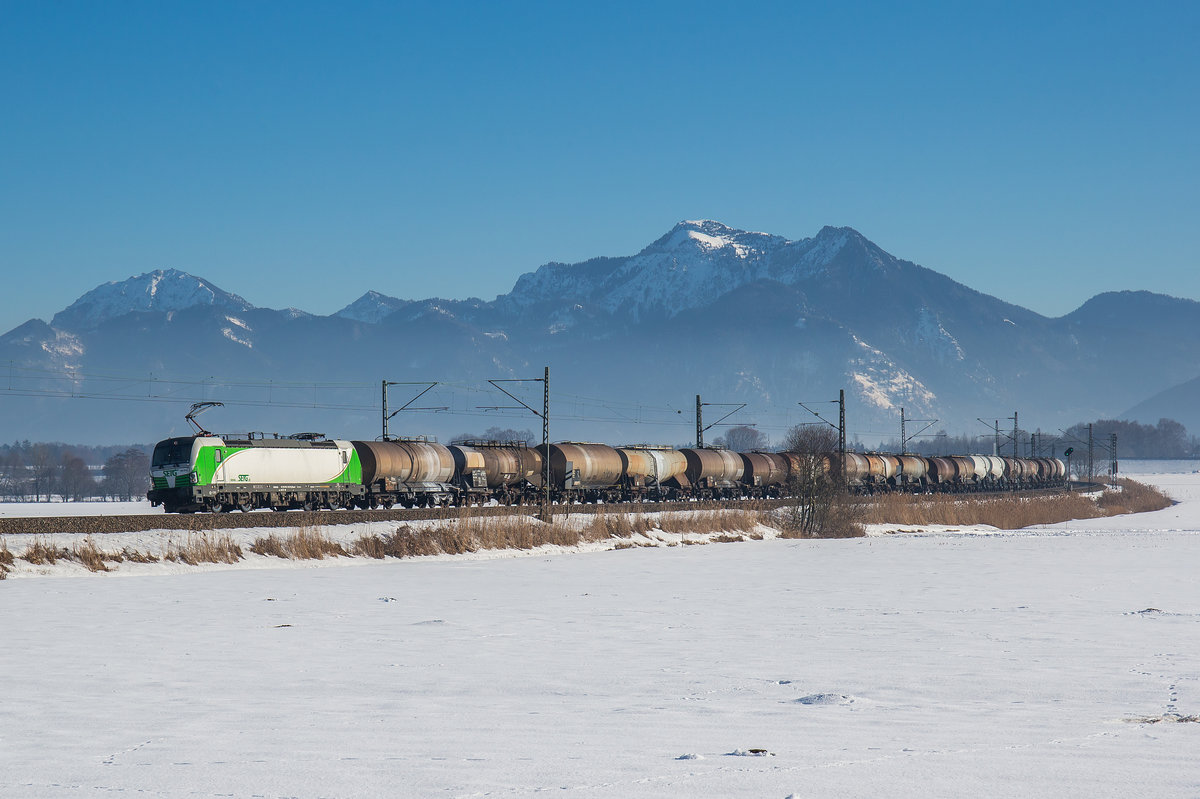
651,471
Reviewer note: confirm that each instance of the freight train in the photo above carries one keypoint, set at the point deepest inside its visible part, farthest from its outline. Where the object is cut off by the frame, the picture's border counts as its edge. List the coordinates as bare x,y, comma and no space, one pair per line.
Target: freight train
213,473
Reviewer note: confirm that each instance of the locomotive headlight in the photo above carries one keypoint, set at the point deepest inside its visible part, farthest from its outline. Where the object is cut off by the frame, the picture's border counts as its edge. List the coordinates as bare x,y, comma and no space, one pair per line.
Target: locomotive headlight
193,478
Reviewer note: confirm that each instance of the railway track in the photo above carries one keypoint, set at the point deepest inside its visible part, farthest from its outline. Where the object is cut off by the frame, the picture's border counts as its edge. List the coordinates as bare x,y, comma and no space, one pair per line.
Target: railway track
198,522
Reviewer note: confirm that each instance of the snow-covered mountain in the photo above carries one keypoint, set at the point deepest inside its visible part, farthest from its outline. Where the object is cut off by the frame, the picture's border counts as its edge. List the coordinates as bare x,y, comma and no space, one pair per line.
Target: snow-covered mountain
705,309
692,266
372,307
162,291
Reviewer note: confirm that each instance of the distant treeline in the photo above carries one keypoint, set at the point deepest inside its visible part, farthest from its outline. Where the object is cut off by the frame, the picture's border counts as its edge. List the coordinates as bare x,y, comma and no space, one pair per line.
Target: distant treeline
42,472
1167,439
91,455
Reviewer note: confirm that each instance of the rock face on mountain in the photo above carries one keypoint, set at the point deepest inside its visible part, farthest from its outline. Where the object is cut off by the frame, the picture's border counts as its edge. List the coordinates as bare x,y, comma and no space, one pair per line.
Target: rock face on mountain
731,315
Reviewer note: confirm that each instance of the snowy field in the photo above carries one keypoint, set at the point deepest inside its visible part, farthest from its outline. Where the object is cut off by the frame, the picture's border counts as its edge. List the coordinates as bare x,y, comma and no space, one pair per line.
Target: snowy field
89,508
1059,661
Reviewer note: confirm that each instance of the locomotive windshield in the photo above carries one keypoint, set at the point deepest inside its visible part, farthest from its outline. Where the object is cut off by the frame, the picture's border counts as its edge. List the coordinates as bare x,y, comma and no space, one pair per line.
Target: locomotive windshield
172,451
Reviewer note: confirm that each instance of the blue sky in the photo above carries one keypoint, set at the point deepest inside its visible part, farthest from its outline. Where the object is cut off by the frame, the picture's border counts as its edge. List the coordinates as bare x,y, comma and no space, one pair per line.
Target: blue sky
300,154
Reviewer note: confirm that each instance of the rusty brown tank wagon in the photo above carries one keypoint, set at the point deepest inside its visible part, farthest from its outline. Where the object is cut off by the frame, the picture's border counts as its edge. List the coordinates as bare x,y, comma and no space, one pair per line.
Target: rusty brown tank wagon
913,471
496,470
764,473
881,470
584,471
713,473
412,472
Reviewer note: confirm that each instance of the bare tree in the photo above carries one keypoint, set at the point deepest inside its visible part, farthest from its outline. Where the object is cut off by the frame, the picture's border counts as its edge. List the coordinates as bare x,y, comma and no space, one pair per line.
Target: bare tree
500,434
76,481
42,471
127,474
743,438
14,477
821,507
810,439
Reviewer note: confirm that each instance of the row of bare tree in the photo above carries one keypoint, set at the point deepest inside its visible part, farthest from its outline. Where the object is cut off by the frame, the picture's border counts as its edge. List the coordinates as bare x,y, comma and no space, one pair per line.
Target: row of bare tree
36,475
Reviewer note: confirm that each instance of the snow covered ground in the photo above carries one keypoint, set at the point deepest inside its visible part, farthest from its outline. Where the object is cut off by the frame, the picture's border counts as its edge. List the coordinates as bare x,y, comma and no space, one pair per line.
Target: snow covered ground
88,508
1050,662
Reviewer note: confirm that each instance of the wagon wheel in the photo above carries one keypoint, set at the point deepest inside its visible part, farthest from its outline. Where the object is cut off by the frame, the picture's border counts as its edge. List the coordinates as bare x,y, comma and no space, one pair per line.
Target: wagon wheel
245,506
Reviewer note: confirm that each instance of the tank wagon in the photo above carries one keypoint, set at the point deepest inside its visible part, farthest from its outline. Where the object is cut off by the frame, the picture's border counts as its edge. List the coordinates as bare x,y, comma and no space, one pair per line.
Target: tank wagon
495,470
206,472
590,472
412,472
764,473
652,472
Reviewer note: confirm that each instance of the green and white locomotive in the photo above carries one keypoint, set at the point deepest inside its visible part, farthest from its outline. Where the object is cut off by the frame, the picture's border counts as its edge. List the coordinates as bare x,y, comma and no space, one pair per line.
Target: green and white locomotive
213,473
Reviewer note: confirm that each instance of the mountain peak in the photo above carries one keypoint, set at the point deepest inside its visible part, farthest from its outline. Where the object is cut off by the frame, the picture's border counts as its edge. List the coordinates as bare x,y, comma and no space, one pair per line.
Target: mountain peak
708,235
372,307
162,290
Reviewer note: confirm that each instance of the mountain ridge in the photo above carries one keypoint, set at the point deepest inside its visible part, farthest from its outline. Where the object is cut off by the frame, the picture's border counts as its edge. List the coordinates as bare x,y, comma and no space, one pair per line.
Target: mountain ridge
704,308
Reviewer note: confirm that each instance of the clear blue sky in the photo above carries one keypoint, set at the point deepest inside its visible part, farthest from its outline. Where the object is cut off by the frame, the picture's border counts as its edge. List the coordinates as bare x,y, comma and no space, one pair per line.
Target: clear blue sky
300,154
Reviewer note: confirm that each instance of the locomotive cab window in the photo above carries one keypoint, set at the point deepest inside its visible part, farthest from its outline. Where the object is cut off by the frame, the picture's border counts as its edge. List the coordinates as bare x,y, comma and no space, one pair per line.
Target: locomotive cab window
218,456
172,451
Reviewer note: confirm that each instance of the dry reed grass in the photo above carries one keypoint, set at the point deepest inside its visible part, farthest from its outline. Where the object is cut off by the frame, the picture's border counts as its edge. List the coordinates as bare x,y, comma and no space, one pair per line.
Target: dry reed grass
203,548
306,543
715,521
90,556
468,533
472,533
86,553
135,556
1011,512
43,553
1133,497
